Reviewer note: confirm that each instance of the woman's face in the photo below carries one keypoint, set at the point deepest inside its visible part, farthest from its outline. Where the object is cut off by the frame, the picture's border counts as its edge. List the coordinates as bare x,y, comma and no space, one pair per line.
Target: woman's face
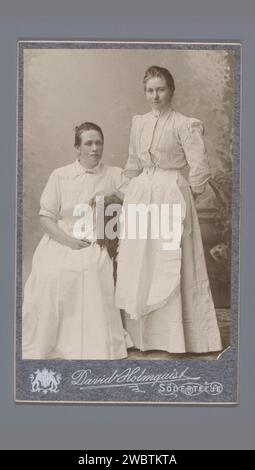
91,148
158,93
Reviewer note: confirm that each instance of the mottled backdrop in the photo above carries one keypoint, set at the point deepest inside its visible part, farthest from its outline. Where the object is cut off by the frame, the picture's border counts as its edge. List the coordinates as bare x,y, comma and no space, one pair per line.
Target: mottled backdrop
63,88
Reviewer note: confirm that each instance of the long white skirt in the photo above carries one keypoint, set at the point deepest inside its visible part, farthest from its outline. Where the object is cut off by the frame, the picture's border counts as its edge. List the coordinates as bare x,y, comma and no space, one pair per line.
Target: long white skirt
68,308
166,295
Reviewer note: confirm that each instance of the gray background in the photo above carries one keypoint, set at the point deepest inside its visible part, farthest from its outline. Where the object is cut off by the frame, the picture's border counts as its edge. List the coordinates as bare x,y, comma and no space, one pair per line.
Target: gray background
120,426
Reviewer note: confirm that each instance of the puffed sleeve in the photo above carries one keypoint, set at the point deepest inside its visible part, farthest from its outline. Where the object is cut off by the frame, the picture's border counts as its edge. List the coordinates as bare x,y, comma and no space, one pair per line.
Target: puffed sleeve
50,198
133,164
195,153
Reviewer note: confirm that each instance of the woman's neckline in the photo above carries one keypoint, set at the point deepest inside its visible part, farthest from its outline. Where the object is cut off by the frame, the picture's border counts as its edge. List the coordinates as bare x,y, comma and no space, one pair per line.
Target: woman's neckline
95,169
157,113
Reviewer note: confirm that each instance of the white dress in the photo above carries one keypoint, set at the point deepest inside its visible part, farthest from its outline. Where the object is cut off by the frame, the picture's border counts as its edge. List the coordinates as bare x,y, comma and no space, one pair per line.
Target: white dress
165,294
68,308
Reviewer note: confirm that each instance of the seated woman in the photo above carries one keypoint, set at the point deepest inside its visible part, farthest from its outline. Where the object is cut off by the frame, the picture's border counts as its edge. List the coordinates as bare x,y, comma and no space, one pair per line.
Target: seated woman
68,308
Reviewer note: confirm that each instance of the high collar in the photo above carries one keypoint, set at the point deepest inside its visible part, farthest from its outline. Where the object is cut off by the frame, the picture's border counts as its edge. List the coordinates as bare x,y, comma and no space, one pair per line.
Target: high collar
164,112
80,169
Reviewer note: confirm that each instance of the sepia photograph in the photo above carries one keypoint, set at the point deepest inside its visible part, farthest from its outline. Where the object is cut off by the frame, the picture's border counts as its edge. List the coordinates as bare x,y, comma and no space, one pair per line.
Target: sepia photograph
126,157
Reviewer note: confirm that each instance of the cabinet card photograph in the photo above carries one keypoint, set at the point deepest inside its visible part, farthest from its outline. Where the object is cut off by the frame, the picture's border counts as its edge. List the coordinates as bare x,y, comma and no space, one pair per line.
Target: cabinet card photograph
127,222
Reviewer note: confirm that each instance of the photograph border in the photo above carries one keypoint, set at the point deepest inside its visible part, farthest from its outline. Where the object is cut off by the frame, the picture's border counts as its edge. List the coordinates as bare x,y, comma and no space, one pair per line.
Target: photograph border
224,371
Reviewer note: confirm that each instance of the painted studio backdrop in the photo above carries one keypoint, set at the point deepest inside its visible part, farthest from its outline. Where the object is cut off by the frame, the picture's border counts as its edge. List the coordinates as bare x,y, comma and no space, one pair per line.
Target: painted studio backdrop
63,88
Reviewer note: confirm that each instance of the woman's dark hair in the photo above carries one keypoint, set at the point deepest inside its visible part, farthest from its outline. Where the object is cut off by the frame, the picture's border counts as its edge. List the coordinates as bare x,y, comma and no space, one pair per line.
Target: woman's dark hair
155,71
86,126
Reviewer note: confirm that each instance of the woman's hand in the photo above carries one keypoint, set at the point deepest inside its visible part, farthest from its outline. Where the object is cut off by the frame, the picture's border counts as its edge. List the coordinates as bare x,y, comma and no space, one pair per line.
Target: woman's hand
56,233
76,244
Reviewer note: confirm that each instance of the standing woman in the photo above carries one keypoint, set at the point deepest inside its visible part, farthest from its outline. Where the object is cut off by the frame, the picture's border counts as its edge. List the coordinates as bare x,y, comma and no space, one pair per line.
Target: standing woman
165,293
68,308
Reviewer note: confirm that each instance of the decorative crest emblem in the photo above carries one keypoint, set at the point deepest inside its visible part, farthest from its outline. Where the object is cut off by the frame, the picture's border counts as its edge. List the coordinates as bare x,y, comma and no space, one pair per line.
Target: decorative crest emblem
45,381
